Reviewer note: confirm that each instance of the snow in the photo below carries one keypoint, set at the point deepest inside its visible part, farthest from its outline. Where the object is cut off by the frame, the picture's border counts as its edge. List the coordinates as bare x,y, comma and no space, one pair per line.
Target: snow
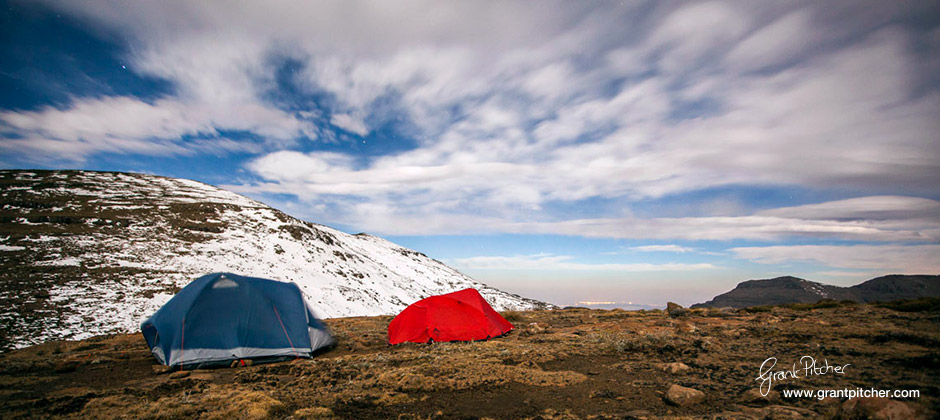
11,248
133,264
817,289
41,239
126,207
24,221
339,274
61,262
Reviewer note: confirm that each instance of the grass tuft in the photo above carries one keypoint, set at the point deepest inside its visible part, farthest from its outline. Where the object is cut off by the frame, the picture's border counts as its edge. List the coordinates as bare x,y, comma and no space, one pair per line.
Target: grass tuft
931,304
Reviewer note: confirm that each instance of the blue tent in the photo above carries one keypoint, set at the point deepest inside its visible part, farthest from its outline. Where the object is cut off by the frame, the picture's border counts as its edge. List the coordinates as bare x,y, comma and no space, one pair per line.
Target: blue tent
223,317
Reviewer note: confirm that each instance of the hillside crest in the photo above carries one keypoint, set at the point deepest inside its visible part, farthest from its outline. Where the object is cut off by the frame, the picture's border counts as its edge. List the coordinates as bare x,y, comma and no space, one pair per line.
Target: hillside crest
789,289
86,253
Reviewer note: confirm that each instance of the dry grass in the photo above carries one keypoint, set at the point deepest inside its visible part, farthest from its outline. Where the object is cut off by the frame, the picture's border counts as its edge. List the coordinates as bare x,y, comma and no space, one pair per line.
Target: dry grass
565,364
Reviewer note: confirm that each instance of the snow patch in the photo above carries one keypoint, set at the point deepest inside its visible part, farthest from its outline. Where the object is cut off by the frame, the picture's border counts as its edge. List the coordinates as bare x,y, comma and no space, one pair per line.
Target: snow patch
339,274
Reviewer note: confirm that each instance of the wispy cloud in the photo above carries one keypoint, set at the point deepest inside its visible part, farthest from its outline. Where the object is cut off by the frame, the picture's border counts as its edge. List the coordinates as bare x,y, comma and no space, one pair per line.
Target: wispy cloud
908,222
662,248
128,125
349,123
863,208
564,262
902,259
742,227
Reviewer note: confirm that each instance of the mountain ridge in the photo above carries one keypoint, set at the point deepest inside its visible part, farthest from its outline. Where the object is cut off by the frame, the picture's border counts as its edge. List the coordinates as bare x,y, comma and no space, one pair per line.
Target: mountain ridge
86,253
789,289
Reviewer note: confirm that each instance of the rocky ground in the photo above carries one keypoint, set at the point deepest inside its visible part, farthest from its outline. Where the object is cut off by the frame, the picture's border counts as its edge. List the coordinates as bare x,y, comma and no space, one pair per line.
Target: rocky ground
561,364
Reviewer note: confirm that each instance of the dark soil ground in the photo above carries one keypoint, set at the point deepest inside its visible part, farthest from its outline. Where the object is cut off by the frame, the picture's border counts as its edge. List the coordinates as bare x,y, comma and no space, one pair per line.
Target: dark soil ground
562,364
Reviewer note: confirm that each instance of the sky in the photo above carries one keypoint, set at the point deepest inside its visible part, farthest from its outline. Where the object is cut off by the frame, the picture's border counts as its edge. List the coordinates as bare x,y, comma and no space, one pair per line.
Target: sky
566,151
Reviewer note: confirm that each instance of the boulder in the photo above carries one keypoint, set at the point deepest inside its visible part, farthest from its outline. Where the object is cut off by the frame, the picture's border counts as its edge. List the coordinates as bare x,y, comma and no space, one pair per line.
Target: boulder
180,374
878,409
682,396
675,367
753,395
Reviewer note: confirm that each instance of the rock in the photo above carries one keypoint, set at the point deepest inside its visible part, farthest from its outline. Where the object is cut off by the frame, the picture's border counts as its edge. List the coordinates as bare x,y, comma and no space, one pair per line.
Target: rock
681,396
240,363
604,394
160,369
675,367
775,412
685,327
675,309
179,374
753,395
877,409
533,328
784,412
637,414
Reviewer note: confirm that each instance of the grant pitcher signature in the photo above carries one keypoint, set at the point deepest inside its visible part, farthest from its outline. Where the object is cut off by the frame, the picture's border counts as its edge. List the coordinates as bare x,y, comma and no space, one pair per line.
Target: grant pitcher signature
809,368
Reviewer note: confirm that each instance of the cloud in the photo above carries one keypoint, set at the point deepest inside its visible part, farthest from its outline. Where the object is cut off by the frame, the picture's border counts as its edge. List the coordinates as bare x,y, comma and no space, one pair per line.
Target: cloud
886,207
842,120
349,123
288,166
515,109
695,30
662,248
564,263
901,259
129,125
392,217
774,44
741,227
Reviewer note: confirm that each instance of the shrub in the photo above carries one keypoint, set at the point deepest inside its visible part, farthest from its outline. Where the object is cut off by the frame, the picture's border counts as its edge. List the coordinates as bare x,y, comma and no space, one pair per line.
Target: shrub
931,304
513,316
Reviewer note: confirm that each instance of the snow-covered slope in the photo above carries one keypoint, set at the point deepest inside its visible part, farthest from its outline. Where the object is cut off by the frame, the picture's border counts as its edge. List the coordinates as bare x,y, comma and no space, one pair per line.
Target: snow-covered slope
88,253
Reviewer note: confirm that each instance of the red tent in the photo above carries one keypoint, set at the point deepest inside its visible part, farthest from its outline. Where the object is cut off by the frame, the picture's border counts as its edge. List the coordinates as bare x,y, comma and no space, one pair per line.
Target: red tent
459,316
